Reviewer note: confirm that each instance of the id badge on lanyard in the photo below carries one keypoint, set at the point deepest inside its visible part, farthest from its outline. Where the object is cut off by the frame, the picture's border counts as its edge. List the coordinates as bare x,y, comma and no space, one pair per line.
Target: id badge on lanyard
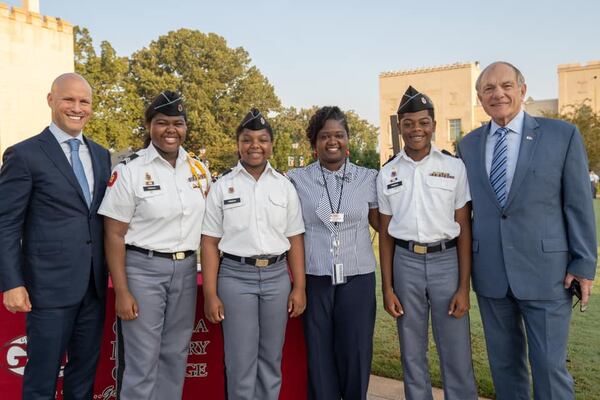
337,274
336,218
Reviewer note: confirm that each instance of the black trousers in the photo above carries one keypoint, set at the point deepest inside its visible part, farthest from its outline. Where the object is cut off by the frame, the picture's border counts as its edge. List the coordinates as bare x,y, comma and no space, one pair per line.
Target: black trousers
76,330
338,327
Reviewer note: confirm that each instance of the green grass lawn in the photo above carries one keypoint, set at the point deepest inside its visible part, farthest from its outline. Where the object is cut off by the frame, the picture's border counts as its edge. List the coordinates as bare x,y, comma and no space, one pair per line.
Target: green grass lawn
583,348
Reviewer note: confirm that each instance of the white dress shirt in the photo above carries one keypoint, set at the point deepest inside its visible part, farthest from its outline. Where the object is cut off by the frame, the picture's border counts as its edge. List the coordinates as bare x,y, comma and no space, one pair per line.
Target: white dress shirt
513,142
84,153
422,196
253,217
164,206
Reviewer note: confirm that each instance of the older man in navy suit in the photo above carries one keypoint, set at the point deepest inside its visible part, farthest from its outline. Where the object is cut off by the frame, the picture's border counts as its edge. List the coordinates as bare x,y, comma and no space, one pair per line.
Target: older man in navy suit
51,247
533,235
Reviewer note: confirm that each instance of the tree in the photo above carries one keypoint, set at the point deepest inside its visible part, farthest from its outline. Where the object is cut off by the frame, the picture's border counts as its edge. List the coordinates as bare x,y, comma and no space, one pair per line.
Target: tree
363,141
117,108
218,84
290,127
588,123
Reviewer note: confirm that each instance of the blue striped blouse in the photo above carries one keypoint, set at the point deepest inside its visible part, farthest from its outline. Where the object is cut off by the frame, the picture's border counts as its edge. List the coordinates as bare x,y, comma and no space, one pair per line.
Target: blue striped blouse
358,196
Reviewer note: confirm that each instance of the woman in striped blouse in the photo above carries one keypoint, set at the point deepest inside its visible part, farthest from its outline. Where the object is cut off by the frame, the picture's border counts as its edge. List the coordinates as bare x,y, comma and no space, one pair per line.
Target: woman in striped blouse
339,201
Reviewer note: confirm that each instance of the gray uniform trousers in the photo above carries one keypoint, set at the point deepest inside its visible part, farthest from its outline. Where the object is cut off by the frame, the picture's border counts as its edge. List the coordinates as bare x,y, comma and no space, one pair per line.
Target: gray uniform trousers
153,348
424,282
255,301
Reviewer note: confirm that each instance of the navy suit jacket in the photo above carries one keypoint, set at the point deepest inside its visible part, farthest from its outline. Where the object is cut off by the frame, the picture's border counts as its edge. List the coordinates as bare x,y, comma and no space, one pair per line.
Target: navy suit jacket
50,241
547,227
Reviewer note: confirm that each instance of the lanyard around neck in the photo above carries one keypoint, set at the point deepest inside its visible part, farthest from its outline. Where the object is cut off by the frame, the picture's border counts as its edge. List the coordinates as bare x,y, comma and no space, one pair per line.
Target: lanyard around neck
341,189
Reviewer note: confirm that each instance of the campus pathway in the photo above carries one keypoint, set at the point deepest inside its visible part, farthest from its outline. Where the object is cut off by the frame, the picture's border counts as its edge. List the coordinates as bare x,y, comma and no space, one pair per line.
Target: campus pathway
391,389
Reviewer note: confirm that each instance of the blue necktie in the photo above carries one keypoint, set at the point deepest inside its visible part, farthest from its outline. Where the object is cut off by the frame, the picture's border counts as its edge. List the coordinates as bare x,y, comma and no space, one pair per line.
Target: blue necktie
498,168
78,169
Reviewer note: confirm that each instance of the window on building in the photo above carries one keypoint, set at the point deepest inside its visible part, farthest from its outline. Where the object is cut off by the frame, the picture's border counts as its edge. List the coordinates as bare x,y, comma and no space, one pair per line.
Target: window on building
454,129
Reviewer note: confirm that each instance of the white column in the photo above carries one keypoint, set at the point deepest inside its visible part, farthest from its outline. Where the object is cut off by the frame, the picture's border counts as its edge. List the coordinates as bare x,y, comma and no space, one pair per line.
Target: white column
32,5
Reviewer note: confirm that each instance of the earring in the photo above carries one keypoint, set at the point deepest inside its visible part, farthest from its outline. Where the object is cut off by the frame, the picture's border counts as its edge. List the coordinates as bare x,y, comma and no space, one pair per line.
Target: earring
315,154
347,152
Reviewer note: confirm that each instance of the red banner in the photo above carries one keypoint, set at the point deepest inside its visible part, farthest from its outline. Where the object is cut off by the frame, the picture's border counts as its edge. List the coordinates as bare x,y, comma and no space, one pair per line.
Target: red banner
204,372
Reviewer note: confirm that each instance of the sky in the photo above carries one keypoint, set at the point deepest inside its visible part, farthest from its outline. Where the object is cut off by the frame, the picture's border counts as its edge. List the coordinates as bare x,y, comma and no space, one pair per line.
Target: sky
332,52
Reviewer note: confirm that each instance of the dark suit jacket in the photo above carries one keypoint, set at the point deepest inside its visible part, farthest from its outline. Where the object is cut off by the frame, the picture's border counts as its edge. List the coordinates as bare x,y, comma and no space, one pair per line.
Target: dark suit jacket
50,241
547,227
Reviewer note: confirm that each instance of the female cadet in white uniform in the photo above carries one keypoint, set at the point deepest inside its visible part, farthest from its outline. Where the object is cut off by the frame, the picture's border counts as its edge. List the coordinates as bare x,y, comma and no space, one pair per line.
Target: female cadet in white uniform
425,254
253,217
154,207
339,200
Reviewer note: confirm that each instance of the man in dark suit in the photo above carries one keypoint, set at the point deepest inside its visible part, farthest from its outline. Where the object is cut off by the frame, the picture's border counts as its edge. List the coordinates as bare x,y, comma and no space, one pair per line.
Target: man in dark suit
533,235
51,247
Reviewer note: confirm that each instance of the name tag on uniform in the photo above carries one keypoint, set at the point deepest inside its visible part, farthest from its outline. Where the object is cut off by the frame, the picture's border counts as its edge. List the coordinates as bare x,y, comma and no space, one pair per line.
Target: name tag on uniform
232,201
150,188
395,184
336,217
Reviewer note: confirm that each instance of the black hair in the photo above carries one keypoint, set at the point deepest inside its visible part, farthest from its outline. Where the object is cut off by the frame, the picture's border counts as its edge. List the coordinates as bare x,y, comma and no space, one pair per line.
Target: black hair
429,111
320,117
241,128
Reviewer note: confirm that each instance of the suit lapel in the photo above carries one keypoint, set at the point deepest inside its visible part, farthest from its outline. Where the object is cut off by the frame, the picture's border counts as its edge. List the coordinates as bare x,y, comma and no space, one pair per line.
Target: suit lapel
483,136
529,140
55,153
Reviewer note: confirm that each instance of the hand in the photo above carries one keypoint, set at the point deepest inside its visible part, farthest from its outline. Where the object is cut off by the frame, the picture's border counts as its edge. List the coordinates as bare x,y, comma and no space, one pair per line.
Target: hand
296,302
459,305
392,304
214,309
17,300
125,306
586,288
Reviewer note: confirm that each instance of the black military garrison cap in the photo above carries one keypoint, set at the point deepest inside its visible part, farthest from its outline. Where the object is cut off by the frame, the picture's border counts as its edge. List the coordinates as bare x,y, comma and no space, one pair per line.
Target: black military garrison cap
255,121
414,101
168,103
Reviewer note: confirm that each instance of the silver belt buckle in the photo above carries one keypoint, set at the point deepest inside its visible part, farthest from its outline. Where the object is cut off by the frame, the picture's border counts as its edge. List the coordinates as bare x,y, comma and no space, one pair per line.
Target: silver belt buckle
261,262
180,255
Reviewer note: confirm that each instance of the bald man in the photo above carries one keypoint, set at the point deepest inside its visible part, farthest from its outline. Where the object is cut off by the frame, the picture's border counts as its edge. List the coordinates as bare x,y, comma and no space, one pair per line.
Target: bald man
51,247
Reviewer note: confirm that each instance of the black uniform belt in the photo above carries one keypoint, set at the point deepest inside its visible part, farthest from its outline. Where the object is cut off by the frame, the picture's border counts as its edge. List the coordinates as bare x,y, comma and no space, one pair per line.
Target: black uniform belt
257,261
424,248
179,255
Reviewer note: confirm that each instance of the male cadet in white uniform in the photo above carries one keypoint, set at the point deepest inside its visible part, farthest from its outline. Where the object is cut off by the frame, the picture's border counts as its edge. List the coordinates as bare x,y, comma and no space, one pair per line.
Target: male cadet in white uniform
424,218
154,207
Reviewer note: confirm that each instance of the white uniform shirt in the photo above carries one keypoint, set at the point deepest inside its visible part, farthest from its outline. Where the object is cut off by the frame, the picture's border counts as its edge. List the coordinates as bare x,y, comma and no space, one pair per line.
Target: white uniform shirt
422,196
163,206
84,153
253,217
